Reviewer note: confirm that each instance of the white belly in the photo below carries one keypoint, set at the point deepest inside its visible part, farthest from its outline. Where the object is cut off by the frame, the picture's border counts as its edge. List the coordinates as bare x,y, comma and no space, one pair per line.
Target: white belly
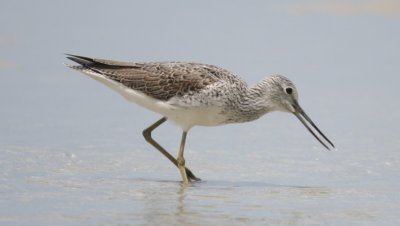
202,116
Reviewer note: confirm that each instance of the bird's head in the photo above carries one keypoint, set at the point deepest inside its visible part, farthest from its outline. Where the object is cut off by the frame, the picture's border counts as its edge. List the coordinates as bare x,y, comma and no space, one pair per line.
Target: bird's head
284,96
282,93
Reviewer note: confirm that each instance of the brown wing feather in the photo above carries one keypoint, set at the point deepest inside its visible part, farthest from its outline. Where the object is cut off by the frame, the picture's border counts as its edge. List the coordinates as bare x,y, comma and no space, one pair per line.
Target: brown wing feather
158,80
161,81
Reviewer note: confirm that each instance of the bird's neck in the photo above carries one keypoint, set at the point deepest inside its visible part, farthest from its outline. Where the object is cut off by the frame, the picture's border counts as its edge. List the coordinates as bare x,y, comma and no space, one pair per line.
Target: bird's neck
257,101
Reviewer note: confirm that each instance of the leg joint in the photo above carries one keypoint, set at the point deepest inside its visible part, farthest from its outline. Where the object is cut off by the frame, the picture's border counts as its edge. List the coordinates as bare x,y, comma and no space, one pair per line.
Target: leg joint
181,161
147,134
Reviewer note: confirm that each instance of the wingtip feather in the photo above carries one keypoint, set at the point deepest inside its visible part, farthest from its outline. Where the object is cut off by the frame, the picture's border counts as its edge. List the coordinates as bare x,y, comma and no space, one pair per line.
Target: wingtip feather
84,61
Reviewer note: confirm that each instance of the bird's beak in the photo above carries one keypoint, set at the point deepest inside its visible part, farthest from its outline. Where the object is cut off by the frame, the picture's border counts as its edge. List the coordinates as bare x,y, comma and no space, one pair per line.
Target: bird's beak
309,124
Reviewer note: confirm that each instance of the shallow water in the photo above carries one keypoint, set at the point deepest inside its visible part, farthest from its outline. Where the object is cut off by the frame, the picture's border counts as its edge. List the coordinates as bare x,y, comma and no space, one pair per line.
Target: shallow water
96,186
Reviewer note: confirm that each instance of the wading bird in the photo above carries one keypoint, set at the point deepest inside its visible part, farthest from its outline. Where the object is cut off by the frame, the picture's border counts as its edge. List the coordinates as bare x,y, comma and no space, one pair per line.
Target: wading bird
191,94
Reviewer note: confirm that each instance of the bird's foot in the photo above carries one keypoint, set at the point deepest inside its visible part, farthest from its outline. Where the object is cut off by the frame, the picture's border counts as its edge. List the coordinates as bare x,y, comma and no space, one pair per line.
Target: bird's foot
191,176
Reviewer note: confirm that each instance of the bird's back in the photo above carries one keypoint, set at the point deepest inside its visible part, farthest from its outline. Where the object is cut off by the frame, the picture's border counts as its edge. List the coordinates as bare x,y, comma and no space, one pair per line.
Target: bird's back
159,80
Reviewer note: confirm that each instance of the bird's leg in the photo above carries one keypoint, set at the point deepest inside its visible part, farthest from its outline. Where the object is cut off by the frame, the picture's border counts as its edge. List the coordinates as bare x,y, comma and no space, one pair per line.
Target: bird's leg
149,139
181,159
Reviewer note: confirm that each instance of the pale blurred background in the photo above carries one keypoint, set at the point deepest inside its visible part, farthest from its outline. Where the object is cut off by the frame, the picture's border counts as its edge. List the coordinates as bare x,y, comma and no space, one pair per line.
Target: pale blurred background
72,153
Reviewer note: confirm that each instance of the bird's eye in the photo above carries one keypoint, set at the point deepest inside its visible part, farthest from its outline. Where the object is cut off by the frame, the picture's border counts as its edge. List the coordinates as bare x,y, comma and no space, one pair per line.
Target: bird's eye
289,90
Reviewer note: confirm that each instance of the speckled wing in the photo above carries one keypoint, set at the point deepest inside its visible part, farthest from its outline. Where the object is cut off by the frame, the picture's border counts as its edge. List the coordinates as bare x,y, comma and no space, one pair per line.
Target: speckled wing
158,80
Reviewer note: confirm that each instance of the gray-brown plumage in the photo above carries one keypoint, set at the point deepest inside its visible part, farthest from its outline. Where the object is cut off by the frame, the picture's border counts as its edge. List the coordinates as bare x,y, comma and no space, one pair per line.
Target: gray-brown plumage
192,94
158,80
